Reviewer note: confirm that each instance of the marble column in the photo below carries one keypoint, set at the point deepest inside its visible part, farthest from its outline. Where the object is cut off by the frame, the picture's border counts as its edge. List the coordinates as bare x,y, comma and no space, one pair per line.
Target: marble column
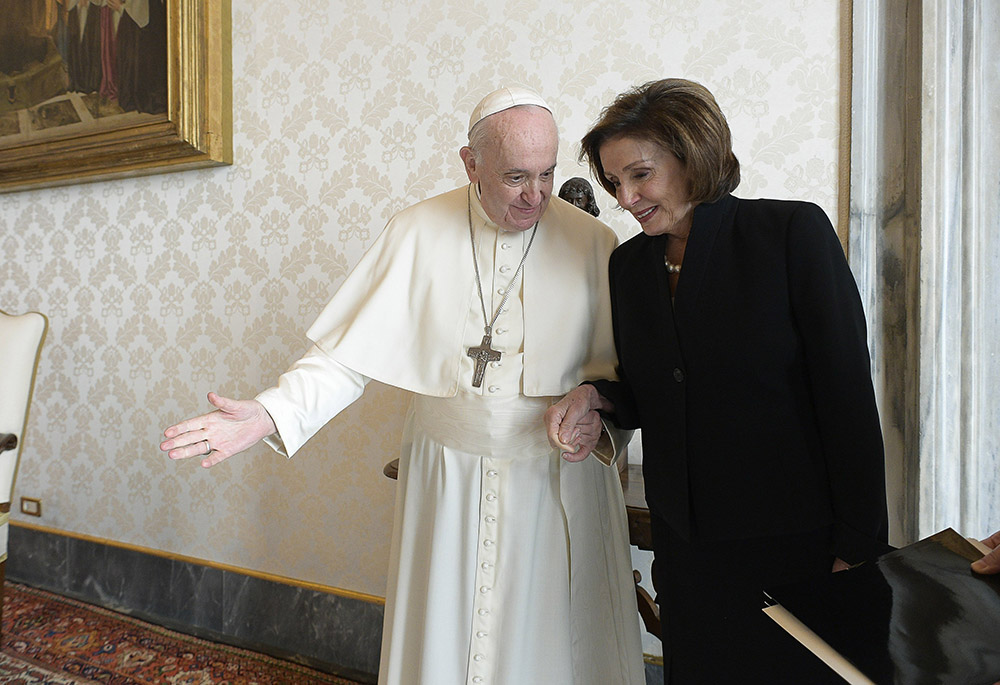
925,247
884,241
959,310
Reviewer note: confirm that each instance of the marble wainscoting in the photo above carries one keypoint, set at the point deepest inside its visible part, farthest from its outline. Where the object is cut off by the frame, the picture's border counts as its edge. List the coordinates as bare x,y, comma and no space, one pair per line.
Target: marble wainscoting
333,633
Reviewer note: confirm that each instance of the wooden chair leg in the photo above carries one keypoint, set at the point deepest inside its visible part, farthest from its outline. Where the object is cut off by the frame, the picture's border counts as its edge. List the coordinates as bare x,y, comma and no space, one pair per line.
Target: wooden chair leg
648,610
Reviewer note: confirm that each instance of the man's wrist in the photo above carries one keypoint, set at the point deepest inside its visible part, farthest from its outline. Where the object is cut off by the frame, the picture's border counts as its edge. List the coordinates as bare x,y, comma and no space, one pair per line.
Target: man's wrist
596,400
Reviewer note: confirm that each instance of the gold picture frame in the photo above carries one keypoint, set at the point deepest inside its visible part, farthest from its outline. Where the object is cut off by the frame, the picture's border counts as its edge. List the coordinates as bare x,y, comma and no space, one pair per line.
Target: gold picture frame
195,131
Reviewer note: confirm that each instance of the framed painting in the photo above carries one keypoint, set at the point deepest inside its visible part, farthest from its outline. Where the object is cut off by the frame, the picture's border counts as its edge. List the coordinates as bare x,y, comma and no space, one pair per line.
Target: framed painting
99,89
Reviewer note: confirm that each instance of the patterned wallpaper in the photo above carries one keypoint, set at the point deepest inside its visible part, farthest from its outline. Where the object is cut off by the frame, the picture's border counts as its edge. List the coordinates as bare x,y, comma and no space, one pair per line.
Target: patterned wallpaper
162,288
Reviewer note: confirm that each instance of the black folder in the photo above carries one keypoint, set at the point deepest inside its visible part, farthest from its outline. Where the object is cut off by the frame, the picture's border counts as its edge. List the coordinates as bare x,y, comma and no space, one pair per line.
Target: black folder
913,616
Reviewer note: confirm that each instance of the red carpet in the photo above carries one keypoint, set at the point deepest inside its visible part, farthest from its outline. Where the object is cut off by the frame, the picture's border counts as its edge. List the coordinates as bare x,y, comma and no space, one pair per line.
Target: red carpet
48,639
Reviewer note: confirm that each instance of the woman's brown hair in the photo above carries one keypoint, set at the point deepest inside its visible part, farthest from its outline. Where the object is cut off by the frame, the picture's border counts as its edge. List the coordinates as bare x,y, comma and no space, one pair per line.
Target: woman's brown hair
680,116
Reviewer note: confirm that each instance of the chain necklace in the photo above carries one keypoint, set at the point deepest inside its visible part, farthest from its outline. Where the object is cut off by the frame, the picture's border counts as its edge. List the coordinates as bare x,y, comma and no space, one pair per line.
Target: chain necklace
483,352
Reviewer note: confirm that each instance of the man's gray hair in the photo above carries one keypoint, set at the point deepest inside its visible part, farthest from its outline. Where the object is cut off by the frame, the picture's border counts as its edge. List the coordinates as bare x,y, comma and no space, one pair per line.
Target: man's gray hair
479,138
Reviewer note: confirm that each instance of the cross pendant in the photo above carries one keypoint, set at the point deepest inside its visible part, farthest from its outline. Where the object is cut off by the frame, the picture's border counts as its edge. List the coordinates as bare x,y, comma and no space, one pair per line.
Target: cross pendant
483,353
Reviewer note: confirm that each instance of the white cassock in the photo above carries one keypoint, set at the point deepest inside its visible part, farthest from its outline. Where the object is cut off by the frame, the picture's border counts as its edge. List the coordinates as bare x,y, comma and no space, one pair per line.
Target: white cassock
508,564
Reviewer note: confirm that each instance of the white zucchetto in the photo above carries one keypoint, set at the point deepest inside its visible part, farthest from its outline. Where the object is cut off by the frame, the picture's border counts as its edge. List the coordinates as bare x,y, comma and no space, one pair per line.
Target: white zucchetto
505,98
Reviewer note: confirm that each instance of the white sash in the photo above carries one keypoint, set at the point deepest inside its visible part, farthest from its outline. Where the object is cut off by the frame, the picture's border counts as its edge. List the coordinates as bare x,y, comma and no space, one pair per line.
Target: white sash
504,428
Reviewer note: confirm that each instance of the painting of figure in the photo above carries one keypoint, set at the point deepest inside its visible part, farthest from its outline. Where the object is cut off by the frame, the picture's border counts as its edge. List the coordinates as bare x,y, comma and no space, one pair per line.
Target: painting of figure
101,89
71,66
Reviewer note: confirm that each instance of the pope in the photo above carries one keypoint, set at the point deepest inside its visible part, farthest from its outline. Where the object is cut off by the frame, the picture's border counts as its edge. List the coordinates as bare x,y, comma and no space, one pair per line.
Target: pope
476,301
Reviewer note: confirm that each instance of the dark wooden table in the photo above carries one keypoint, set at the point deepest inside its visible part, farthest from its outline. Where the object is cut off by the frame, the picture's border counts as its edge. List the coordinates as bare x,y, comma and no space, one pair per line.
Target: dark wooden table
635,504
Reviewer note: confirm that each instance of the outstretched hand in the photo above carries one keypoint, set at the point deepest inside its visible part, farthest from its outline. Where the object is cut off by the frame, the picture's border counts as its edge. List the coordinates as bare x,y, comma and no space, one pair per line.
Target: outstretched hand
573,424
234,426
991,562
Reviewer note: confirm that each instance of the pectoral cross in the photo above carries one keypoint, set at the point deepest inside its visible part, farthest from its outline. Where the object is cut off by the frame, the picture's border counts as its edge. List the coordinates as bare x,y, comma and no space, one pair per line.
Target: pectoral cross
483,353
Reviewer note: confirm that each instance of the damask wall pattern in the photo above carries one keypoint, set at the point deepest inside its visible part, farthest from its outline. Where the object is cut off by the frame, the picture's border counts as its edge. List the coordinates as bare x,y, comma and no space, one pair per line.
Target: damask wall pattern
162,288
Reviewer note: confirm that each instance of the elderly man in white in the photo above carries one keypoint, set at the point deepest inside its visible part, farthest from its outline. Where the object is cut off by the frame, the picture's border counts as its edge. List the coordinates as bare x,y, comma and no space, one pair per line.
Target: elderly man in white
508,563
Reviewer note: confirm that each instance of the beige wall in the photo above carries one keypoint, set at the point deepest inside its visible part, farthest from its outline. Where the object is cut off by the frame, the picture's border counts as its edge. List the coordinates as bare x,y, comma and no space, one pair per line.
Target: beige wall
162,288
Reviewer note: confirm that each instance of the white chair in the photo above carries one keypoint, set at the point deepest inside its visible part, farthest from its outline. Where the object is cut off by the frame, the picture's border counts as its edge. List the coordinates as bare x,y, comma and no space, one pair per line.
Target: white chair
20,344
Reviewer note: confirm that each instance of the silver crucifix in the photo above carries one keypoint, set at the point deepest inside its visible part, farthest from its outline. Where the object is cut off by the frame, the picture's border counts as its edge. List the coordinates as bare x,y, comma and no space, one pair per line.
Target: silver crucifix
483,353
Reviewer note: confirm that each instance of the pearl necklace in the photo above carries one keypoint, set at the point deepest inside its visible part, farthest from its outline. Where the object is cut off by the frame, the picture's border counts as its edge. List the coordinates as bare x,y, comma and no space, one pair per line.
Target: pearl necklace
671,267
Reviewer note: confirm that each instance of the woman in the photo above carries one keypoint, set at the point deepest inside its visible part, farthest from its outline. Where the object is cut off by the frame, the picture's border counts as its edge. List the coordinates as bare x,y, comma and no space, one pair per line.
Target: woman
742,357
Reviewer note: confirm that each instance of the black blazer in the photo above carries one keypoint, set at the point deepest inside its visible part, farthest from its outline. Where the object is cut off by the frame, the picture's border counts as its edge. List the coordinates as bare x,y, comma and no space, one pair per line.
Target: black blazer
753,389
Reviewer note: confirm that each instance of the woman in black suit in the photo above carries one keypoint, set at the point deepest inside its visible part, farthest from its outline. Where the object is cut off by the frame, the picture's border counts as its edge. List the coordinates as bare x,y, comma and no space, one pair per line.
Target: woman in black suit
743,358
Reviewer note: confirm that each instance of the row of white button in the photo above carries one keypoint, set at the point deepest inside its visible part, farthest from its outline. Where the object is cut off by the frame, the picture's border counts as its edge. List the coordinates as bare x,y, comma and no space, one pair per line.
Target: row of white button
479,668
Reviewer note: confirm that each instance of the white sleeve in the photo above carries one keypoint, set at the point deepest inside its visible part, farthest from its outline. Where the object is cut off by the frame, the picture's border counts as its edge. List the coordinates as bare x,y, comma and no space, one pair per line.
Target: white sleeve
314,390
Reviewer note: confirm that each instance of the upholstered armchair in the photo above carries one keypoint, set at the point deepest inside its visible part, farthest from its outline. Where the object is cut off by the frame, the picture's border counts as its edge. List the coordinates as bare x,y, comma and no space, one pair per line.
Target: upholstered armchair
20,343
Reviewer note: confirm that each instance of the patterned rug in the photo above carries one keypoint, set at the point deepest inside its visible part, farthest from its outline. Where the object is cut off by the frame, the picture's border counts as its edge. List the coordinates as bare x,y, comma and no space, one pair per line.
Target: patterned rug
49,639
